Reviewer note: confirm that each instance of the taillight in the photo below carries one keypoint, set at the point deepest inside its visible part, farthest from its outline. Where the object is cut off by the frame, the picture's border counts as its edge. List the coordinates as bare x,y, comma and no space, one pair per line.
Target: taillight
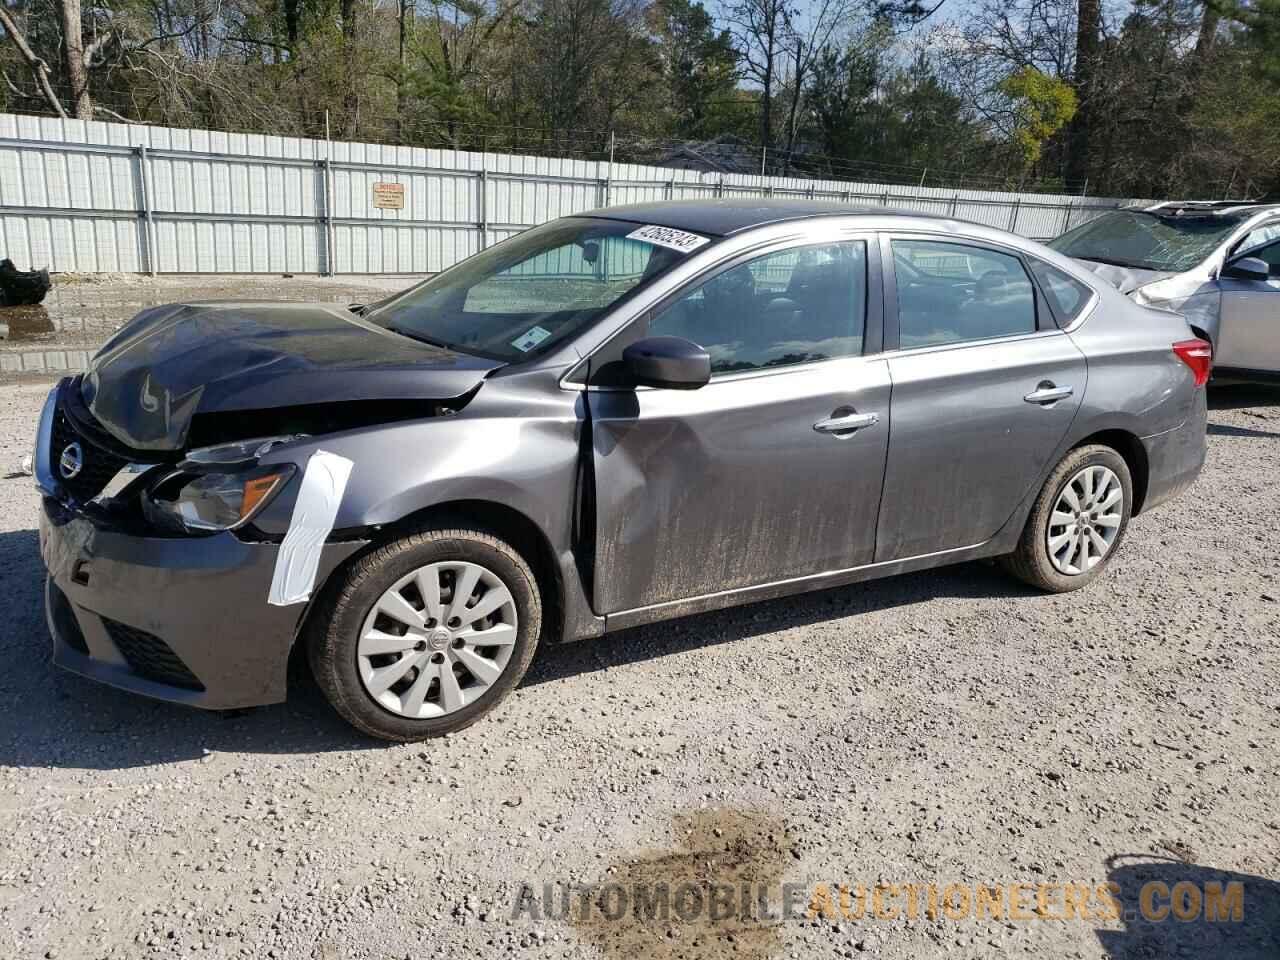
1198,355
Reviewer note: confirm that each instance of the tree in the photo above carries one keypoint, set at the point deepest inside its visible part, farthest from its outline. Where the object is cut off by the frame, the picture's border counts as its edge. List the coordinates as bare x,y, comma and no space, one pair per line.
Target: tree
929,126
1240,104
879,117
450,58
1042,105
1173,97
808,33
39,68
699,63
1088,29
841,91
74,58
587,60
759,30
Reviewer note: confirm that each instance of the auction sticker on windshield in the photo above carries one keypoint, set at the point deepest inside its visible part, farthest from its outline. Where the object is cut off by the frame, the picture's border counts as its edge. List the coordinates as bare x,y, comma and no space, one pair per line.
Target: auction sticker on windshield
530,338
668,237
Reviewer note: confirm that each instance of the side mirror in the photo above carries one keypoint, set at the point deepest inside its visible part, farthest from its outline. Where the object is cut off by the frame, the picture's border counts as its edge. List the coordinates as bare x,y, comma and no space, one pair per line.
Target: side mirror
1247,268
668,362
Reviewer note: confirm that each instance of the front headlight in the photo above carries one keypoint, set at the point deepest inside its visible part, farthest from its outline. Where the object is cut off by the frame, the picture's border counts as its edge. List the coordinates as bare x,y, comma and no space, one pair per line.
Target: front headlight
217,488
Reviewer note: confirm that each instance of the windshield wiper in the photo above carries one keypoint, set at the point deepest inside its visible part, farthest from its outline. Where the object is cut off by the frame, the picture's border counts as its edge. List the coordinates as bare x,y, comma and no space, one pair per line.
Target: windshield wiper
1127,264
419,337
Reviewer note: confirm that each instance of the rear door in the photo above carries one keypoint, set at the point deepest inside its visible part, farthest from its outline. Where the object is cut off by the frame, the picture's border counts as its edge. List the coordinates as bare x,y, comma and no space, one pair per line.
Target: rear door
985,385
1249,328
773,469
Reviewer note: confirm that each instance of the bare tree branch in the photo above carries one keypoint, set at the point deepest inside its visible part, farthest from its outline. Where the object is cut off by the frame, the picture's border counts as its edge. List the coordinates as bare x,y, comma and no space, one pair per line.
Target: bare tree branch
99,108
38,66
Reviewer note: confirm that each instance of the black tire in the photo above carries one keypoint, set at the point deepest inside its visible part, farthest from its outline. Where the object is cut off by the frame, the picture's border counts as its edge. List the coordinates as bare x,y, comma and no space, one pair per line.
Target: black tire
1031,562
335,626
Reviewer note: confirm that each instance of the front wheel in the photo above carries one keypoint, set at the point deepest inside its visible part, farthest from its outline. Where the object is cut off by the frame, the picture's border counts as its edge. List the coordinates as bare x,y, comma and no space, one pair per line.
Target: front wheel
427,634
1077,522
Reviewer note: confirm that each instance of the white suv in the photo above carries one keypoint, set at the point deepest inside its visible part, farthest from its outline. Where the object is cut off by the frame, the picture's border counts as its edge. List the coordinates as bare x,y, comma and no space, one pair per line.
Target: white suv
1216,263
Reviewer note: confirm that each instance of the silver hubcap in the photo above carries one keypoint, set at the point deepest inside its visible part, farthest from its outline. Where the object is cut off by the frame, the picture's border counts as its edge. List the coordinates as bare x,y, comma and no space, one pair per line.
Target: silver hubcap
437,640
1085,520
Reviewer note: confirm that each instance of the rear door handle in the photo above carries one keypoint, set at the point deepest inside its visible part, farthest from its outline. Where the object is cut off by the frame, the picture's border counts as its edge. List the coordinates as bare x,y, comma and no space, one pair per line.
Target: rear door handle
1048,393
847,422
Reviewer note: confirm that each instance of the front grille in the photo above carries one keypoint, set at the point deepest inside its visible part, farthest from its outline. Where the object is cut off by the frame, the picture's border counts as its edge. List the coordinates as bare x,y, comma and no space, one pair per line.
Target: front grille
151,657
98,464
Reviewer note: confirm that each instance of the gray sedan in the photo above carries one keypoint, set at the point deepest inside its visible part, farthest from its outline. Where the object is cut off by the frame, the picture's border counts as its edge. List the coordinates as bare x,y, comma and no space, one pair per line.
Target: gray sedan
616,418
1216,263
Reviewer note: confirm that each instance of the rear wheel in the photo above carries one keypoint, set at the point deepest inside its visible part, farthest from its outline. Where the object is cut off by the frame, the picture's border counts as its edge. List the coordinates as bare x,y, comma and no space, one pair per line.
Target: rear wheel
427,634
1077,522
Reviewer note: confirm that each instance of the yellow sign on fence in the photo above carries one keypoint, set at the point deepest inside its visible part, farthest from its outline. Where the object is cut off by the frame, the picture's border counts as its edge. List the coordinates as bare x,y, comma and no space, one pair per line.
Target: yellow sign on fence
388,196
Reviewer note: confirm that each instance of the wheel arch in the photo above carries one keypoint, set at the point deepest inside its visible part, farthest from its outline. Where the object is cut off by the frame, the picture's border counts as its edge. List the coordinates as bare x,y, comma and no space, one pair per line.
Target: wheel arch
1134,454
500,519
505,522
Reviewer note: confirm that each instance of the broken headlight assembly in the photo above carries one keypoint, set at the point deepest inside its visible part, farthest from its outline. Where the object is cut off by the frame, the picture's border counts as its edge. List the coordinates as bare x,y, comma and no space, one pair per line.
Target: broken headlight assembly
1159,293
217,488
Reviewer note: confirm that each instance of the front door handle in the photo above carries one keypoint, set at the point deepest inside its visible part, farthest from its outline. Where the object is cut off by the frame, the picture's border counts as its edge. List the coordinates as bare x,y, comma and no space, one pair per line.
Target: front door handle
847,422
1047,393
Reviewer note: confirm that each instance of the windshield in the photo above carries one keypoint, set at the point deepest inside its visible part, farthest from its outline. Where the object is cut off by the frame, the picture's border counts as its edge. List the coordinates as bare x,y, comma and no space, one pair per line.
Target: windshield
1134,238
522,297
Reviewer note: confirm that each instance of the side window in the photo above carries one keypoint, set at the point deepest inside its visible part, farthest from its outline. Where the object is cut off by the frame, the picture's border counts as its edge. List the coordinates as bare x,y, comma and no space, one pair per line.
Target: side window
1257,237
793,306
1270,254
952,292
1067,295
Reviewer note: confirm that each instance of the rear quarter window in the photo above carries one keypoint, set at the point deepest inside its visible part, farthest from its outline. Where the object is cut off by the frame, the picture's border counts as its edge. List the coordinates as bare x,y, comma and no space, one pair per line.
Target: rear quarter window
1067,296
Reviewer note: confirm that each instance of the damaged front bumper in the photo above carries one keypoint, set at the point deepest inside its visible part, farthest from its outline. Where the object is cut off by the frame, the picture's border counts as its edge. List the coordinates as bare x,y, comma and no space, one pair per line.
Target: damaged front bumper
185,619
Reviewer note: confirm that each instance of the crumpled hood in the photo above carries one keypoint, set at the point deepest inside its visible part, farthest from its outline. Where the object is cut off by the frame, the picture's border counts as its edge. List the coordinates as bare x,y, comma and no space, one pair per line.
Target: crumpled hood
1125,279
170,363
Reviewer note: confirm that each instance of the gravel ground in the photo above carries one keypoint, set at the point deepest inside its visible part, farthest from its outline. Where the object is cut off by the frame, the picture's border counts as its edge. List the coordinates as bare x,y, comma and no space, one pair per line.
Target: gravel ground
932,728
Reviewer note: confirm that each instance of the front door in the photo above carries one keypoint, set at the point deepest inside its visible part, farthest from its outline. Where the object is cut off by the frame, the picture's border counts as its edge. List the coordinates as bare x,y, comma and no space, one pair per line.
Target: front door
984,388
1249,325
763,474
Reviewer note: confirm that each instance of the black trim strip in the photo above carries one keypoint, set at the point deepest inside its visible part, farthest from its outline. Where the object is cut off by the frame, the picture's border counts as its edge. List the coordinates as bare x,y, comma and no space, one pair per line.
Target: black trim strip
1246,373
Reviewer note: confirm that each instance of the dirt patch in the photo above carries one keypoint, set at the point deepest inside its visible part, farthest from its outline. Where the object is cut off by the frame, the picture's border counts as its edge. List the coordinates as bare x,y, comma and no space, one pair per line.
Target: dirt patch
117,279
25,323
708,897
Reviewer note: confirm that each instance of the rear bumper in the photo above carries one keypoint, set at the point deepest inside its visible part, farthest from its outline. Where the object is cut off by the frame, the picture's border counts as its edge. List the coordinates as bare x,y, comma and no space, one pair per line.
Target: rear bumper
184,620
1175,457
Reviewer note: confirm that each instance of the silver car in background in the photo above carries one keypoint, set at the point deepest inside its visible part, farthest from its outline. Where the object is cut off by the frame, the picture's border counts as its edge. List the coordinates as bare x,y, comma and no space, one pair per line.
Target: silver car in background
1216,263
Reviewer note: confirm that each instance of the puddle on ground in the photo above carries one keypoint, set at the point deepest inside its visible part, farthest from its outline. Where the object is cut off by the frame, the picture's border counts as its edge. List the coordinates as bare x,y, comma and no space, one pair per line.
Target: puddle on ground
714,848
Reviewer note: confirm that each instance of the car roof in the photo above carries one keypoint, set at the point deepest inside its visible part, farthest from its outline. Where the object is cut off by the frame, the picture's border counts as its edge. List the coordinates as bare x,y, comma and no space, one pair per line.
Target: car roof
725,217
1213,208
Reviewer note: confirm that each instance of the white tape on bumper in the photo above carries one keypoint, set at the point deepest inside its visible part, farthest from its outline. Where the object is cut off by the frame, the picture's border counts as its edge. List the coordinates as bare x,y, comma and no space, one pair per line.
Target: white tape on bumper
314,513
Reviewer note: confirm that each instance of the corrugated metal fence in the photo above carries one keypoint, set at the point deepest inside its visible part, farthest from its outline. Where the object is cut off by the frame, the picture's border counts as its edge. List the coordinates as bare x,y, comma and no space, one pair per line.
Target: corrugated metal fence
110,197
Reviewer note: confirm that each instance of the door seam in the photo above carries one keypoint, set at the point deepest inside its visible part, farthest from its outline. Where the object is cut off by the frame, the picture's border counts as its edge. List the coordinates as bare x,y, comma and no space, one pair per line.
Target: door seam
884,465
